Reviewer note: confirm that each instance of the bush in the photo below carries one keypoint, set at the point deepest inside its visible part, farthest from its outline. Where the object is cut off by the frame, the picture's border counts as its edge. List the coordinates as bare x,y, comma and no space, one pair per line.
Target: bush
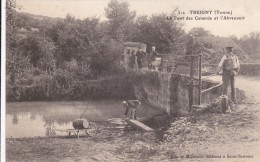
63,86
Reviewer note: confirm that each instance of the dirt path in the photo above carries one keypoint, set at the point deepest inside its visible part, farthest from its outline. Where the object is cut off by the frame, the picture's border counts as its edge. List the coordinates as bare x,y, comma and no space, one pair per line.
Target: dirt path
235,134
230,137
251,86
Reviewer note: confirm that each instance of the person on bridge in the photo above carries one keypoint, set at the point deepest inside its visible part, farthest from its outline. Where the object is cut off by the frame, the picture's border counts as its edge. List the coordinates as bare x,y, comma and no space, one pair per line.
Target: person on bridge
132,59
131,105
229,65
153,55
139,58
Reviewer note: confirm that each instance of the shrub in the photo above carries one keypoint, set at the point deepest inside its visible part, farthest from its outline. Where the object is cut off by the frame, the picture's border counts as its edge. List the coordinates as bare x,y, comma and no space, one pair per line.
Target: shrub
62,85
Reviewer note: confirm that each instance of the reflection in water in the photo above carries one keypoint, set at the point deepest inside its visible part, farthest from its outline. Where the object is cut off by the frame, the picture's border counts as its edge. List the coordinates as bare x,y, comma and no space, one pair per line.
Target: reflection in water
50,128
28,119
33,116
15,119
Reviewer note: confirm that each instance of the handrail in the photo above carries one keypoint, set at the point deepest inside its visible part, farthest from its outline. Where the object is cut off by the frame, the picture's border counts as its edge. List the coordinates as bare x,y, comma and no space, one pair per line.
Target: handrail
206,90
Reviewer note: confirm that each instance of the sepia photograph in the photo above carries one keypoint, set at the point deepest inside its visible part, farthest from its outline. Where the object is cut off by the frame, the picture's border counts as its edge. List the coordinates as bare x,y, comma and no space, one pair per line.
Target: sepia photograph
130,80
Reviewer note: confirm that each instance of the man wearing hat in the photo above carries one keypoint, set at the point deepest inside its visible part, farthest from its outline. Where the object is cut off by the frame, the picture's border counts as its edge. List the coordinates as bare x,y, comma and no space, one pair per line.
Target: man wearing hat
152,59
139,58
229,65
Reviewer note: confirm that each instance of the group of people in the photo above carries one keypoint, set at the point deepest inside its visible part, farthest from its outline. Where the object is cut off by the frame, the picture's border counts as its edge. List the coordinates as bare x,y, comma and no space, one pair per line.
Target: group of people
229,67
143,58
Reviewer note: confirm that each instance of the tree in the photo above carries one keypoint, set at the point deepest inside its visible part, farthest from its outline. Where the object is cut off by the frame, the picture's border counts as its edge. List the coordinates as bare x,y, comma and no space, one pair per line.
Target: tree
47,61
200,32
75,39
120,19
29,47
107,57
83,42
160,32
10,17
251,44
11,44
234,38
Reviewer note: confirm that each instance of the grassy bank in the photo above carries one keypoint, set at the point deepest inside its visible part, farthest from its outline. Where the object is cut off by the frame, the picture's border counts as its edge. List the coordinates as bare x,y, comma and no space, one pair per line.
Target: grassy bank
48,89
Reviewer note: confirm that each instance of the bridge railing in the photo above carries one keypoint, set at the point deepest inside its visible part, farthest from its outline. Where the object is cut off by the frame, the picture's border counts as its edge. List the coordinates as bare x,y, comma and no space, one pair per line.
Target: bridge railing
183,67
175,67
193,67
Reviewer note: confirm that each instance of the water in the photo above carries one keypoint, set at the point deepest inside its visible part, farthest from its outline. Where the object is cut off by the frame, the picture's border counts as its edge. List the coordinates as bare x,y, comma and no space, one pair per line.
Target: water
30,119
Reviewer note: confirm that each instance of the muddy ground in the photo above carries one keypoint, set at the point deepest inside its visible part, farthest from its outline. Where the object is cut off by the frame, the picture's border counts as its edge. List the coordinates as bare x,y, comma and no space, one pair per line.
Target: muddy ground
209,137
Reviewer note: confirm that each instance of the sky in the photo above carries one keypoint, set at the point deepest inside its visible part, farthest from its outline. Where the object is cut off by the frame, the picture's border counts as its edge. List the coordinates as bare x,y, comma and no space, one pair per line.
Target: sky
249,9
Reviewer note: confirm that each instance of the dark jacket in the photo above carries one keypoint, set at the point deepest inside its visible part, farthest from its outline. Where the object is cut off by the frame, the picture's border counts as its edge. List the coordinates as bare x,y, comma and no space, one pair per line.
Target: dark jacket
152,56
139,55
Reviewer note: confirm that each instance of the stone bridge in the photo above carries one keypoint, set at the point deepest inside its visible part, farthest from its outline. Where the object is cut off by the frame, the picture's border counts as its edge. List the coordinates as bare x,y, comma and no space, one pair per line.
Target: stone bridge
169,88
170,91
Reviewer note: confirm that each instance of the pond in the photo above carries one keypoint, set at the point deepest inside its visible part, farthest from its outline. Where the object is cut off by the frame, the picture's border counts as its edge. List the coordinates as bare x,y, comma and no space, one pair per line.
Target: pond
31,119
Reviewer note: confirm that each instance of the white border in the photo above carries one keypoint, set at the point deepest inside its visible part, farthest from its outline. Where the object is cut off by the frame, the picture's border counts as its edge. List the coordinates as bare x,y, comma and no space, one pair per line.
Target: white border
3,88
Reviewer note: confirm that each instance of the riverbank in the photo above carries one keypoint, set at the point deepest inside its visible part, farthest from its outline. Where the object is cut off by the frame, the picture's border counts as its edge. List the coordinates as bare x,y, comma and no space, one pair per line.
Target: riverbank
211,137
71,89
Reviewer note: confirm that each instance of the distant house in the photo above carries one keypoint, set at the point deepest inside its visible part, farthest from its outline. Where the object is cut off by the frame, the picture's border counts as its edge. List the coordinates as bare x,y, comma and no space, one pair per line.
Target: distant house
213,49
35,30
23,32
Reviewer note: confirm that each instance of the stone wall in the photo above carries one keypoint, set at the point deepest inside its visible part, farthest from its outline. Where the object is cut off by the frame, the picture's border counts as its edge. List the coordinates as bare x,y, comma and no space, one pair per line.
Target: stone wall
170,91
167,91
154,88
183,93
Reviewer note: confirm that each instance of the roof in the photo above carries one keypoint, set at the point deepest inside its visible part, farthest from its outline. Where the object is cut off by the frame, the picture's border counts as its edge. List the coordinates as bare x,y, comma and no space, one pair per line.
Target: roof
35,29
134,44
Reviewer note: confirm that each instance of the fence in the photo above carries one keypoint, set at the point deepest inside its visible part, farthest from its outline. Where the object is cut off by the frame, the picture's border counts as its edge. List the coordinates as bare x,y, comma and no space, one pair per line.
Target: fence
194,67
190,65
184,66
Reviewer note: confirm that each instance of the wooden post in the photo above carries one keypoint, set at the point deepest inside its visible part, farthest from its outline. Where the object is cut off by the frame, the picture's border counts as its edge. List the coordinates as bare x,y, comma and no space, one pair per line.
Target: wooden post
191,89
165,66
138,125
199,95
191,82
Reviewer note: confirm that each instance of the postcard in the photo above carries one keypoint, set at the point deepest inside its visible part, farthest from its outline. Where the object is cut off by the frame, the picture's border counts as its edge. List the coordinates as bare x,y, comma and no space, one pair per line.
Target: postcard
130,80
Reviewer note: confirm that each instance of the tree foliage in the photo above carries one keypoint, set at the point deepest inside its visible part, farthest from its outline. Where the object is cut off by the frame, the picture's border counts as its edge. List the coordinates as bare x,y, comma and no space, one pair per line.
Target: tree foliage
29,47
160,32
120,20
53,53
200,32
249,43
11,43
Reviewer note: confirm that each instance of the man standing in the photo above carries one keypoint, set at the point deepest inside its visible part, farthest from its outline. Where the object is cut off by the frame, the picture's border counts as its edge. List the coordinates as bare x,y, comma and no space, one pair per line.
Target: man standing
132,59
229,65
139,54
152,56
131,105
